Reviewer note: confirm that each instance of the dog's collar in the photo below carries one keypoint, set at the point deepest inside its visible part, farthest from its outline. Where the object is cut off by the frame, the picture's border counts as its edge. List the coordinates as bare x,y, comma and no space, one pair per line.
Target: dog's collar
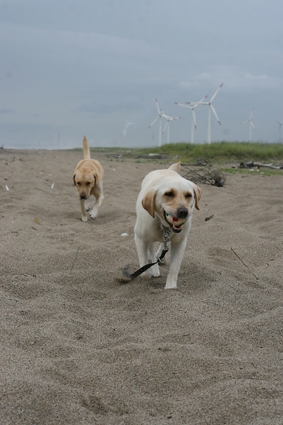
166,233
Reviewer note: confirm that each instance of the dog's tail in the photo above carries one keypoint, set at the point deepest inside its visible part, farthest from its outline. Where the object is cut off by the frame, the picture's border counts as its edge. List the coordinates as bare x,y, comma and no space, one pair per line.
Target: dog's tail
86,149
175,167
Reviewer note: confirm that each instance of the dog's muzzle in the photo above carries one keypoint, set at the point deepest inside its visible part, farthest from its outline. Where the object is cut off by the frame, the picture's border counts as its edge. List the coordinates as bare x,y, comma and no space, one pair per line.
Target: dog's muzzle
182,212
176,223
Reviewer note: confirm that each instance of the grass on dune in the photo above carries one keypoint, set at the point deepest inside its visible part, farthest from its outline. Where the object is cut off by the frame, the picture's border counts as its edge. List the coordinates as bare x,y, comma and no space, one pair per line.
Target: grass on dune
219,152
223,152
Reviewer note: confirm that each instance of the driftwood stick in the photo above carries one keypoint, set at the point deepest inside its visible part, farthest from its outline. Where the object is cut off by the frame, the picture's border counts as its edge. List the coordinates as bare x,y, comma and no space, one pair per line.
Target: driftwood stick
244,263
259,164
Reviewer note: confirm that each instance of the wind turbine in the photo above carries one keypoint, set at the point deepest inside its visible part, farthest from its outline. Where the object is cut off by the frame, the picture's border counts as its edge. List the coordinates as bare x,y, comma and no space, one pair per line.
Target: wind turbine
210,108
194,122
168,119
159,116
251,124
280,123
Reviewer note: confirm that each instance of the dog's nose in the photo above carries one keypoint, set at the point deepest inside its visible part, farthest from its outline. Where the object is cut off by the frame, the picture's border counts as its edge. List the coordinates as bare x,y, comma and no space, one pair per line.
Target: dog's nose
182,212
82,196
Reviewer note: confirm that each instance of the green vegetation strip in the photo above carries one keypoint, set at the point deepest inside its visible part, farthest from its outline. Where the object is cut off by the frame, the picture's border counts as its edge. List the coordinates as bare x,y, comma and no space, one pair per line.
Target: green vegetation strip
223,151
220,152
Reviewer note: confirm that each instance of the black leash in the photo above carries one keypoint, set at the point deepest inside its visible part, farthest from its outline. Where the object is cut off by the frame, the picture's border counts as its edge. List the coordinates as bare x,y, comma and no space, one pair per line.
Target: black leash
147,266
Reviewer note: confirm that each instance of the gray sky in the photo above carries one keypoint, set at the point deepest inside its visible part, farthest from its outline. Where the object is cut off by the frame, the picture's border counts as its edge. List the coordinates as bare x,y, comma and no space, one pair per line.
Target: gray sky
71,68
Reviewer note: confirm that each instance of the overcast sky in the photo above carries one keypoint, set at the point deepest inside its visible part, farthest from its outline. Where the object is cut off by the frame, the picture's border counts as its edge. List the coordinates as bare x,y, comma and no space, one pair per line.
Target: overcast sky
71,68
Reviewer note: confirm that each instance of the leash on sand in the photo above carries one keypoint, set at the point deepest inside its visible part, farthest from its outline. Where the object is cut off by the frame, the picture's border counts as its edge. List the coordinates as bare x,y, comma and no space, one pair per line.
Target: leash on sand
165,249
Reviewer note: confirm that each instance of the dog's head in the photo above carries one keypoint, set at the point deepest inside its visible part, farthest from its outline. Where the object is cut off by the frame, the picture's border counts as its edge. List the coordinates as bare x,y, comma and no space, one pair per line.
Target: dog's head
173,201
85,180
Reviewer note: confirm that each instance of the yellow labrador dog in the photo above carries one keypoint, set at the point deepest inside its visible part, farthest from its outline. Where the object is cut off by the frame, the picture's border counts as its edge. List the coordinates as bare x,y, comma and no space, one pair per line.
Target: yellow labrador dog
165,203
87,178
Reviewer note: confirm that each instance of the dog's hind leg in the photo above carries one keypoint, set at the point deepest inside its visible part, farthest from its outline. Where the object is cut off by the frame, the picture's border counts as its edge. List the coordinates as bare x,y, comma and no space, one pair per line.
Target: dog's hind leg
142,249
154,270
177,253
159,252
98,194
87,206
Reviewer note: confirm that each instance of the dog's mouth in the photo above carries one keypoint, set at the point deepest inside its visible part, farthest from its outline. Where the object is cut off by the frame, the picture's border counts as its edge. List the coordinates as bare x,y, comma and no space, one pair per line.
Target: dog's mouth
174,223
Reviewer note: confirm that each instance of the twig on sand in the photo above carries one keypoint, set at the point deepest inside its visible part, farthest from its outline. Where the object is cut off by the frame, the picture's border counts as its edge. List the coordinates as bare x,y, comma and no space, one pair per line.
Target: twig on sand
75,258
244,263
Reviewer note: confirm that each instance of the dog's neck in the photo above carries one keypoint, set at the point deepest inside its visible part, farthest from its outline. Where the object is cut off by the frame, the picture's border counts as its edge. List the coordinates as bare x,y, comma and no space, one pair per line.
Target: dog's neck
164,229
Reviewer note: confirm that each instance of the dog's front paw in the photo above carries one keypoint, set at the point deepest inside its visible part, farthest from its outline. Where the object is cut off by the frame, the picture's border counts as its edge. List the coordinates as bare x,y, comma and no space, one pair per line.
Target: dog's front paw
170,285
93,214
84,218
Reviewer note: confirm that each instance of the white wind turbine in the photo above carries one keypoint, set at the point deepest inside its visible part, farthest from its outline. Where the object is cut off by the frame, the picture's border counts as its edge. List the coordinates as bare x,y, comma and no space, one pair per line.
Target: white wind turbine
210,108
159,116
280,123
194,121
168,119
251,124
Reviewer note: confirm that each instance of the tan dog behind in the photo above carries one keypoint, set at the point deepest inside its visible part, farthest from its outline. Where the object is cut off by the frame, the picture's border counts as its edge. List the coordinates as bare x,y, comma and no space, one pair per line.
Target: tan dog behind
166,201
87,178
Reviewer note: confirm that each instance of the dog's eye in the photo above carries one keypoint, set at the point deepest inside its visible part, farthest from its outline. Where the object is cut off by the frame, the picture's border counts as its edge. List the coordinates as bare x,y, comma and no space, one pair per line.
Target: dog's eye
188,195
88,183
169,194
78,183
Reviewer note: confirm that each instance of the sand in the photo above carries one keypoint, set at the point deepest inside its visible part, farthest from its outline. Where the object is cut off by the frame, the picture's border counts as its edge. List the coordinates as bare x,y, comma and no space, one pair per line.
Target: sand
81,346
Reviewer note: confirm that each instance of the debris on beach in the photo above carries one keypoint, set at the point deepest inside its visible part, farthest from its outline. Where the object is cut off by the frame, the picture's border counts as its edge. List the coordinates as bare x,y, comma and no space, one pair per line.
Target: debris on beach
152,156
209,175
6,187
124,234
202,161
130,154
52,186
114,155
37,221
259,165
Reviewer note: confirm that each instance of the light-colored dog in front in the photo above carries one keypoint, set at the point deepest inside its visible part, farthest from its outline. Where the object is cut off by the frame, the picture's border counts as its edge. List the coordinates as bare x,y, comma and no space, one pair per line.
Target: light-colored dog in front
166,201
87,178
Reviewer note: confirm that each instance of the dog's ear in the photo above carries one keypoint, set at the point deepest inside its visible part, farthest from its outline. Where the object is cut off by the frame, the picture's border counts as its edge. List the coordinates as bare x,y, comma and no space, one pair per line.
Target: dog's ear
175,167
95,176
149,201
74,179
197,193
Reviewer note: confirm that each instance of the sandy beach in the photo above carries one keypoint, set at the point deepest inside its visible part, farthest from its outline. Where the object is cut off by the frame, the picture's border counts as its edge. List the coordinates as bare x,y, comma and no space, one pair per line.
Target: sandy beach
82,345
